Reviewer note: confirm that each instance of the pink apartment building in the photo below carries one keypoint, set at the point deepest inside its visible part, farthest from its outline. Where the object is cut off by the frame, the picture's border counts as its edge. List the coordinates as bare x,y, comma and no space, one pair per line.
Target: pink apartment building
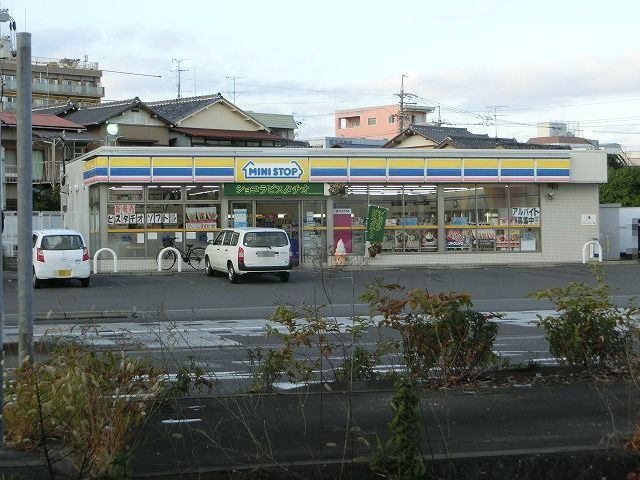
378,123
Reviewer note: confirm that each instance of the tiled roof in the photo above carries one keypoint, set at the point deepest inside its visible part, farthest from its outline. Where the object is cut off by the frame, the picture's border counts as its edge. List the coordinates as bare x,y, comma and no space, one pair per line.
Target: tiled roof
274,120
58,109
560,139
42,121
434,133
95,115
219,134
181,108
486,142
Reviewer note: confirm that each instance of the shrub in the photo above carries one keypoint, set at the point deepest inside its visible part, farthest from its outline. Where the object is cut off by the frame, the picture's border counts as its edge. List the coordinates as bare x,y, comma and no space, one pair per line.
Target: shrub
307,332
588,330
358,366
439,331
401,456
87,401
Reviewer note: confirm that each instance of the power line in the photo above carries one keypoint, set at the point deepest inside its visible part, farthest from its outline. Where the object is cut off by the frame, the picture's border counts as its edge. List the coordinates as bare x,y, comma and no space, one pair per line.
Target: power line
132,73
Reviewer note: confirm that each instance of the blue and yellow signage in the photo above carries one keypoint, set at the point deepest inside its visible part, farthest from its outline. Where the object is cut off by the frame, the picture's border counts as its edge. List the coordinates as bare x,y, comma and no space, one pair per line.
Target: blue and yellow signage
272,169
351,168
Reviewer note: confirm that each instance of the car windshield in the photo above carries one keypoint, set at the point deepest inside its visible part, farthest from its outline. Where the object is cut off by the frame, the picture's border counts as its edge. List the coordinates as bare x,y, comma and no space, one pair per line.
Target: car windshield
265,239
61,242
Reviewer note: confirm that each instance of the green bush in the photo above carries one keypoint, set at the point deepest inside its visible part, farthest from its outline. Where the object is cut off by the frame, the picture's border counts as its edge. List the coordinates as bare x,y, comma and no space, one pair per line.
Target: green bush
441,334
588,330
358,366
400,457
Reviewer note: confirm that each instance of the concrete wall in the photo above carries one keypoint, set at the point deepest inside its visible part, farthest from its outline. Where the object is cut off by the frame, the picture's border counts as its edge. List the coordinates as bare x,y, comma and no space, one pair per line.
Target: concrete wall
77,215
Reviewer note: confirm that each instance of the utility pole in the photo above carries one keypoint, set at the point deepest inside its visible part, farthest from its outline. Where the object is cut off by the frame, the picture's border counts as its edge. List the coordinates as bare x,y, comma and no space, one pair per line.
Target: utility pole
495,115
231,77
402,95
4,54
25,200
178,71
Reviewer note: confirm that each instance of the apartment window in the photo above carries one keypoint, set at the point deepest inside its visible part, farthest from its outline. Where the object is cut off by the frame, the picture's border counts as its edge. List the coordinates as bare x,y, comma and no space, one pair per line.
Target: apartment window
392,119
419,119
349,122
371,121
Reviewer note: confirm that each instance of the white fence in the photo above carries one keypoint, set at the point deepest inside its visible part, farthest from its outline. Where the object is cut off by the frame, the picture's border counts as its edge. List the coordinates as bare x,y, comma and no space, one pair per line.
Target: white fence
40,220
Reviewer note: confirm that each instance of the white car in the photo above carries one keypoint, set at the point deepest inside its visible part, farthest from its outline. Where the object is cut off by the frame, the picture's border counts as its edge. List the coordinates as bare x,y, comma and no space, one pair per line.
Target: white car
60,254
244,251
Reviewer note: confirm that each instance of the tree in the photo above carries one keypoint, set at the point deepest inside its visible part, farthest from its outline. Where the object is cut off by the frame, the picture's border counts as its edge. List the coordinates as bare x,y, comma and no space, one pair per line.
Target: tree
46,198
623,187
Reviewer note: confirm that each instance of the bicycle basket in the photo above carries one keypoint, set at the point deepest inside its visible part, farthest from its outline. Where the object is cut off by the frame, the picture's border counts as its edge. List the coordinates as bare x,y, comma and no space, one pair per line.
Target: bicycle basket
167,241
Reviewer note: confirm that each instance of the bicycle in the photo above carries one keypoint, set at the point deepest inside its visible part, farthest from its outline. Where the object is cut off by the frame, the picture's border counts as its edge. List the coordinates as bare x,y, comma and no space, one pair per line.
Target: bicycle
194,257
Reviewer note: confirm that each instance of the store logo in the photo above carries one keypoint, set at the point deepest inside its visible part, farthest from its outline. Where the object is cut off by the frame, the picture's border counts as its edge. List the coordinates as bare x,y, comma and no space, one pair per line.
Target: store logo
272,170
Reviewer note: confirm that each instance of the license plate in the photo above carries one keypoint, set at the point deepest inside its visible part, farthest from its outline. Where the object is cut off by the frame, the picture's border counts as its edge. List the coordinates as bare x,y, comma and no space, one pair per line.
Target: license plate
268,254
64,273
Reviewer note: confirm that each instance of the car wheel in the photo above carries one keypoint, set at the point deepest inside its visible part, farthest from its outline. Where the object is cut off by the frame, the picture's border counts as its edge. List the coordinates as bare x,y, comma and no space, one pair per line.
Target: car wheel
284,276
208,269
36,280
85,282
233,276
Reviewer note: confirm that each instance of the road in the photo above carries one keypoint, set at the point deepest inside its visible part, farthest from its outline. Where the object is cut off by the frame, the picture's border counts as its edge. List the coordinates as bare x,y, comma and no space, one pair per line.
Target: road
183,319
197,296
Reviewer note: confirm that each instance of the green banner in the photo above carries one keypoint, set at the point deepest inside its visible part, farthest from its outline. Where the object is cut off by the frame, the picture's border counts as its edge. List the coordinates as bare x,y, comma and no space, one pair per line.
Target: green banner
376,220
272,189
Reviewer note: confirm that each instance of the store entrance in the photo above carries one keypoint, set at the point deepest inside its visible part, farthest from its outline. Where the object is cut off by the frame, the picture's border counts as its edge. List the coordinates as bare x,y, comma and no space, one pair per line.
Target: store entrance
284,215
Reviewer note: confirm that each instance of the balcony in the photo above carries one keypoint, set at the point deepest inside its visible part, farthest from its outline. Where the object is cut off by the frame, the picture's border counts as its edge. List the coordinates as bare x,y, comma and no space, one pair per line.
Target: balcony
41,172
53,89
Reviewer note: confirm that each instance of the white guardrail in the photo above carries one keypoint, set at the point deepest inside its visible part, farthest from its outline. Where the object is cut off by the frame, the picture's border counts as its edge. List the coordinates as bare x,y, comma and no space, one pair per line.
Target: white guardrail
584,250
95,259
174,250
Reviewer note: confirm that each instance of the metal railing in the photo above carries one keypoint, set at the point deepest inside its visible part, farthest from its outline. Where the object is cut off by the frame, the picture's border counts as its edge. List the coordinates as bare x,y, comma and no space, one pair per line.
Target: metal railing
58,89
41,172
64,63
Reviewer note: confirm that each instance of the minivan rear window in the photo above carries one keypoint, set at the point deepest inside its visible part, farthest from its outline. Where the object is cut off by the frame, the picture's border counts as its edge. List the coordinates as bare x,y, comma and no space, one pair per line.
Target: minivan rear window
265,239
61,242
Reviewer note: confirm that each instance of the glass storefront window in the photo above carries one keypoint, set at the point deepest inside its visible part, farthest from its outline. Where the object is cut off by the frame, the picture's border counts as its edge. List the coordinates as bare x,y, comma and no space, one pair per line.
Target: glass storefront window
460,217
164,216
314,234
164,193
349,218
390,197
126,193
125,216
524,217
420,218
127,244
492,217
241,214
200,193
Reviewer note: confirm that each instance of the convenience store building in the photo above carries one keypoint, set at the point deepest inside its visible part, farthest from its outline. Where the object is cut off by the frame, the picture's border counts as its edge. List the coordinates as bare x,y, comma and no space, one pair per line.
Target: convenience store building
445,207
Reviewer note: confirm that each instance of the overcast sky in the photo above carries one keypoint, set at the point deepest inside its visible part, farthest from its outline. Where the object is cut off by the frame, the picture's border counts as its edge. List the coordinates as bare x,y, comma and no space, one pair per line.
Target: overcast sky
542,61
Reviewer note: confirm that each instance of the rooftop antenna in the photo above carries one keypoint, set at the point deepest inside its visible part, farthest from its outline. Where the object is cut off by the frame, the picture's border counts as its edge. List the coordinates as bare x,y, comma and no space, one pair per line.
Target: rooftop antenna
234,78
495,114
178,71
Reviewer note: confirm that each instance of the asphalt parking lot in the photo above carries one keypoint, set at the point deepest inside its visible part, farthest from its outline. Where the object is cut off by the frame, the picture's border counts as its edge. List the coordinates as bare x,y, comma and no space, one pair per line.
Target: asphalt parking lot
491,288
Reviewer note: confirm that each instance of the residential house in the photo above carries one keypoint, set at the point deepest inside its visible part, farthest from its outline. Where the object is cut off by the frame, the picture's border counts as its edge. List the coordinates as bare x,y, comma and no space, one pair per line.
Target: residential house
439,137
380,122
196,121
55,142
279,124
